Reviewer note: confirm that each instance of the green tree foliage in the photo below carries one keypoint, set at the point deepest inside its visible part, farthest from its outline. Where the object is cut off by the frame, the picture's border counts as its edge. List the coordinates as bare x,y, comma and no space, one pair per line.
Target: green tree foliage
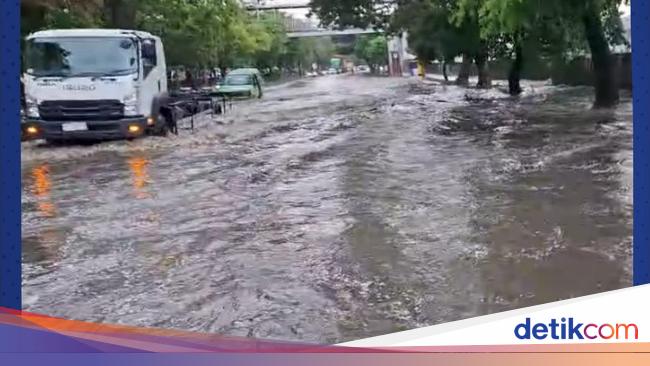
564,26
304,52
422,18
276,46
373,50
120,13
203,32
355,13
196,33
41,14
433,35
435,30
495,28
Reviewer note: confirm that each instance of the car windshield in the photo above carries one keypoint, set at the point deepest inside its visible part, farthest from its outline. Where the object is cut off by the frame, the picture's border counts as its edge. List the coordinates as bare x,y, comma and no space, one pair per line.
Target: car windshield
81,56
239,80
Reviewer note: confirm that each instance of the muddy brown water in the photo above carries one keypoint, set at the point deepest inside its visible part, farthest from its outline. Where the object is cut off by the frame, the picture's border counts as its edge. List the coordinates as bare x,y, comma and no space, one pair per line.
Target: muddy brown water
334,209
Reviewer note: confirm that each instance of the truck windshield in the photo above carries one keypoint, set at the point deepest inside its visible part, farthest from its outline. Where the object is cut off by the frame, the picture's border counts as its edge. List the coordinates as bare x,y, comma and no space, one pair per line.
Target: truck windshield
81,56
239,80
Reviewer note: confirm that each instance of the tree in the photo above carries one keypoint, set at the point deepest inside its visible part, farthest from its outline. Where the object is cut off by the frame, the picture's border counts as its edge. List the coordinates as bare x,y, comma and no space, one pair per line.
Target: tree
323,49
435,29
82,7
353,13
239,37
115,13
121,13
206,33
271,55
485,28
606,87
303,52
373,50
514,76
466,16
429,29
40,14
554,22
196,33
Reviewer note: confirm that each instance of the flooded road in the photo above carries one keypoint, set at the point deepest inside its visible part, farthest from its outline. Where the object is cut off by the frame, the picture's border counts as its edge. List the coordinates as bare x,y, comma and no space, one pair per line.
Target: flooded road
334,209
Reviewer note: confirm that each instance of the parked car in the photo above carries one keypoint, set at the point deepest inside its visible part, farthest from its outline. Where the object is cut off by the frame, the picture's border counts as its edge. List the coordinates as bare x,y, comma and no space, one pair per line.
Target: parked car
363,69
242,83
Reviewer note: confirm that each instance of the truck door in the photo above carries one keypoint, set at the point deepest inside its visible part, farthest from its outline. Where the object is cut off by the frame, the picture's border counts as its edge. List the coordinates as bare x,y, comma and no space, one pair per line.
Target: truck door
154,78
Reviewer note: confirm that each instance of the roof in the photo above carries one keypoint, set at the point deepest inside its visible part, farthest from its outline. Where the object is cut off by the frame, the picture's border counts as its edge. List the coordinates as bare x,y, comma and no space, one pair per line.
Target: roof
90,32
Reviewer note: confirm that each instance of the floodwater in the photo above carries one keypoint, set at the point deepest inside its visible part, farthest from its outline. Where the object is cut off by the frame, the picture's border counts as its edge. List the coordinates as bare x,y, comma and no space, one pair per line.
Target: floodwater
334,209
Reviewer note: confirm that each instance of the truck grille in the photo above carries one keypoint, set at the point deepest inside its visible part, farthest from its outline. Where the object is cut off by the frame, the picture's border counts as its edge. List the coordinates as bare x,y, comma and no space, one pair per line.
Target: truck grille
81,110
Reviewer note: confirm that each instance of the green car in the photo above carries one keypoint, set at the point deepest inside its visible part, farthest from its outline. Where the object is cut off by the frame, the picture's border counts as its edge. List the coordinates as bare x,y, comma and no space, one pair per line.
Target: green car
242,83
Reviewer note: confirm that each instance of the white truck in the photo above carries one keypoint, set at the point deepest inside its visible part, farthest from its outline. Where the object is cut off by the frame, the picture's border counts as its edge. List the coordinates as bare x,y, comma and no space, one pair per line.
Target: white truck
95,84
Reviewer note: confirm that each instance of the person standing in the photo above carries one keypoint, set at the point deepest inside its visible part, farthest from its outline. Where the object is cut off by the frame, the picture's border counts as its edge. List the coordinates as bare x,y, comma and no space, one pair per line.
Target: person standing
189,79
421,69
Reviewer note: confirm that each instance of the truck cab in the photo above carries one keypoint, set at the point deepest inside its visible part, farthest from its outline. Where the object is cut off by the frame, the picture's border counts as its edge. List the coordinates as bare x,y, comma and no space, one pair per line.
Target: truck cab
94,84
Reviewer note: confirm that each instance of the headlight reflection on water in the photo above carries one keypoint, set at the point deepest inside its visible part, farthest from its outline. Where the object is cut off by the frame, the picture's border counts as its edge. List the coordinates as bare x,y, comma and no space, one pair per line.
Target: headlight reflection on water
42,188
139,176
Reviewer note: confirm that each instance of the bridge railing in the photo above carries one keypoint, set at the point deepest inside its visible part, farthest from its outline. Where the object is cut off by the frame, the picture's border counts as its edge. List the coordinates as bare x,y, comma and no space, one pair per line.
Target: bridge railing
275,4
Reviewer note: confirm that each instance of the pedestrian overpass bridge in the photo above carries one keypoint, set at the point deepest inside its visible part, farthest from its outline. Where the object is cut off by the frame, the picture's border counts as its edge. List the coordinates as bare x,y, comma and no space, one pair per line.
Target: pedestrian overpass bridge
328,32
300,28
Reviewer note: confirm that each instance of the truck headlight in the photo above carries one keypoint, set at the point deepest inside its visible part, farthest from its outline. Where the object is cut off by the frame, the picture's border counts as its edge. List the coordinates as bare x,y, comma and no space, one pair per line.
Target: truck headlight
31,105
131,104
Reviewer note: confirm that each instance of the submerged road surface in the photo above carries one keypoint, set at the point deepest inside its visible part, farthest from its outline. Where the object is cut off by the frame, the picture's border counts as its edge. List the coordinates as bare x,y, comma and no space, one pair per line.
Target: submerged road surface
333,209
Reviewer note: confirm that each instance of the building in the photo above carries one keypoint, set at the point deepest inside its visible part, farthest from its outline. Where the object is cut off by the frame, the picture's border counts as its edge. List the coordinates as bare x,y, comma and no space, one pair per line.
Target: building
399,58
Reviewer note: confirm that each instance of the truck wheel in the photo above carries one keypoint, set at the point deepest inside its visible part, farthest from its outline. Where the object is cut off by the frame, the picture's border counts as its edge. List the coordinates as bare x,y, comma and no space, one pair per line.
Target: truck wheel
162,128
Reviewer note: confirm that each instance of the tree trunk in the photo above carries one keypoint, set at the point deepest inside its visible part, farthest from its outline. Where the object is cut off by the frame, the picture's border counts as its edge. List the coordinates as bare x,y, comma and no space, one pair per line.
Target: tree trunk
465,68
603,67
514,76
444,71
121,13
484,80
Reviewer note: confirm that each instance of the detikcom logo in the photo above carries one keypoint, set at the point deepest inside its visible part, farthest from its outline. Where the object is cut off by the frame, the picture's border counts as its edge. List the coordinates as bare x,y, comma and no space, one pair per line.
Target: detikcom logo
569,328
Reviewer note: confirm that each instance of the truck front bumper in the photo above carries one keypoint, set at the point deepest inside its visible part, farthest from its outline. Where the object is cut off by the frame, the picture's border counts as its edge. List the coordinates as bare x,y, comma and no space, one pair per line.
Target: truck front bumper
127,128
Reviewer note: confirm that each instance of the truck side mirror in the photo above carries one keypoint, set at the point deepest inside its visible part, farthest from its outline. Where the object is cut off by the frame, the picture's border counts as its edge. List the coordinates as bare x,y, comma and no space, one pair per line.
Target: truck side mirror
149,49
149,61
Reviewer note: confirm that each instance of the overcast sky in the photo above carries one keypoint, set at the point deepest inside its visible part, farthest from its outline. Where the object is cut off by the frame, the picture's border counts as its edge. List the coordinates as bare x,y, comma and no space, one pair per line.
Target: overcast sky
625,9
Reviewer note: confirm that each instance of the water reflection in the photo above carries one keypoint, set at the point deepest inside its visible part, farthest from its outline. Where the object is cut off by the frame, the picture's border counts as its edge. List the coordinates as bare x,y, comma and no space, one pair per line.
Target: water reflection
42,186
43,247
138,166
